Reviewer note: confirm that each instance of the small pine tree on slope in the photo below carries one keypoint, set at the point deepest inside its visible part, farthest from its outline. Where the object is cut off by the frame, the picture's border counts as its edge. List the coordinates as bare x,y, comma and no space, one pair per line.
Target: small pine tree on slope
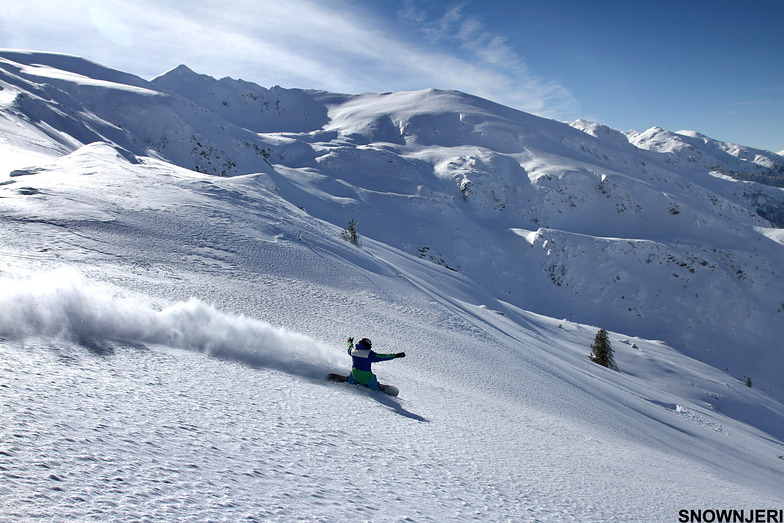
601,351
350,233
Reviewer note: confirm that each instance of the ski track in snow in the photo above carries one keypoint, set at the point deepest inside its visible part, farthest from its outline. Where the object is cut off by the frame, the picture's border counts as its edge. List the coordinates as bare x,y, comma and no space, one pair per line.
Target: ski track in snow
490,424
154,435
119,430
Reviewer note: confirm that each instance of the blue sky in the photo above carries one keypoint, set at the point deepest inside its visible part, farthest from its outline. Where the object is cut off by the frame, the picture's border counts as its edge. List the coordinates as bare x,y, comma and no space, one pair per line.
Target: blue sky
714,66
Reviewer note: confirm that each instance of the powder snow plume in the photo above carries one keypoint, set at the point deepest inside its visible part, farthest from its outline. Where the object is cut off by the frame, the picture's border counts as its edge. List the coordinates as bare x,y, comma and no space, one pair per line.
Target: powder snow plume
64,305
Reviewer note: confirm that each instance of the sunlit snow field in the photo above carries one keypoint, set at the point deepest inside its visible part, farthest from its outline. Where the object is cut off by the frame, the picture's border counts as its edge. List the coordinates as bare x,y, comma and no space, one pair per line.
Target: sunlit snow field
183,381
165,335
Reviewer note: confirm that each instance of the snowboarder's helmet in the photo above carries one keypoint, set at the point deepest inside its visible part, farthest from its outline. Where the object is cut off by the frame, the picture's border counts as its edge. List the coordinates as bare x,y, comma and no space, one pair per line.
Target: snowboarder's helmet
365,343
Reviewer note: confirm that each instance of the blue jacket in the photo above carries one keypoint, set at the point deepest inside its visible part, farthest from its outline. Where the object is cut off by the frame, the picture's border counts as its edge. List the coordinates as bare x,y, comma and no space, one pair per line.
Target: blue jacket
362,359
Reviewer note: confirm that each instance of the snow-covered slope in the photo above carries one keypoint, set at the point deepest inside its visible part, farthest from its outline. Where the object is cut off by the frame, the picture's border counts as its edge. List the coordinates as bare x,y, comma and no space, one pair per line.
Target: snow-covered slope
165,331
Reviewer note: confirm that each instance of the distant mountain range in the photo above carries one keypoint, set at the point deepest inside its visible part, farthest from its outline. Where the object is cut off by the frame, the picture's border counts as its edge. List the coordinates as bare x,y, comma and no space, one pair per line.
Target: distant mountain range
664,235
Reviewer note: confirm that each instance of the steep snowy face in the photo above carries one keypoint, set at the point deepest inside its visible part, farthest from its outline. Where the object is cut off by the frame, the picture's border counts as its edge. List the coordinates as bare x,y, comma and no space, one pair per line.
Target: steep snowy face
692,154
569,221
246,104
661,234
55,97
156,364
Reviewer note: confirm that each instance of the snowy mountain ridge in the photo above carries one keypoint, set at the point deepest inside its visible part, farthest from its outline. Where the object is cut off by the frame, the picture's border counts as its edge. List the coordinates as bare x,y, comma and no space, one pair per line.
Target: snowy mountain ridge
180,319
608,209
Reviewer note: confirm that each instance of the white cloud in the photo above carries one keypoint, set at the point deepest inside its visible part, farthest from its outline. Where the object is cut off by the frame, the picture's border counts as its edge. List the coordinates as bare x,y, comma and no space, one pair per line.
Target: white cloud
488,64
110,25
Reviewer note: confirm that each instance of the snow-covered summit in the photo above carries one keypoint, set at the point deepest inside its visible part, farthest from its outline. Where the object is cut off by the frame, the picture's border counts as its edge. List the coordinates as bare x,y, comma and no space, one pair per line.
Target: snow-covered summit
695,147
246,104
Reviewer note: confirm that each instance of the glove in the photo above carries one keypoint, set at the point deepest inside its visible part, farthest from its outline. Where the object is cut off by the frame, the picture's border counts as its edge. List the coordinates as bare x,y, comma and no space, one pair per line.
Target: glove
351,340
401,355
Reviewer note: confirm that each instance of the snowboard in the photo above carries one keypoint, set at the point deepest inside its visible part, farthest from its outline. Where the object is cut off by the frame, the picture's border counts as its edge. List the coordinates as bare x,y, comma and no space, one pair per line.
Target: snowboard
386,389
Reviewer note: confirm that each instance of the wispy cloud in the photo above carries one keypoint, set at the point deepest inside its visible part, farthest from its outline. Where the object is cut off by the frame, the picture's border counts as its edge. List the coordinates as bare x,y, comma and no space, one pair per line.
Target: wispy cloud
489,65
767,106
343,45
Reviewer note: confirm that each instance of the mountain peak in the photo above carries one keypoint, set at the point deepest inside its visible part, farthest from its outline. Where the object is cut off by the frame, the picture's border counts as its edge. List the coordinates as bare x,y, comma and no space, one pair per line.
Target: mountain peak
181,70
180,78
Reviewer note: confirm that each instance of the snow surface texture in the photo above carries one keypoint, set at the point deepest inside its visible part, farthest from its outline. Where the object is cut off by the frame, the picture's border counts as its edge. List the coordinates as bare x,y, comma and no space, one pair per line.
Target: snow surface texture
165,331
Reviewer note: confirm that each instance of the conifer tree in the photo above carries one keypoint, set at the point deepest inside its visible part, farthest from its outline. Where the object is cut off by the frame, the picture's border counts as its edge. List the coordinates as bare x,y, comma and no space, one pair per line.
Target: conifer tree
350,233
601,351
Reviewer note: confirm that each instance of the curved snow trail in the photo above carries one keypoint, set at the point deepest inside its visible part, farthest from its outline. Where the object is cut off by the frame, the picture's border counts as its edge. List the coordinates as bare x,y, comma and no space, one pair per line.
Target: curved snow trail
63,305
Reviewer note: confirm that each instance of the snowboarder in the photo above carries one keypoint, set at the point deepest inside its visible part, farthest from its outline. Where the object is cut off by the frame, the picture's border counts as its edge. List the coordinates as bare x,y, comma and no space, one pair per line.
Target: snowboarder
363,357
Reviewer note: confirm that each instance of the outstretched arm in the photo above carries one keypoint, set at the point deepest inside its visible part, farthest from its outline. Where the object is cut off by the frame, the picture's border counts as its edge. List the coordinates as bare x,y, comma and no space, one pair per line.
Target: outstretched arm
385,357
